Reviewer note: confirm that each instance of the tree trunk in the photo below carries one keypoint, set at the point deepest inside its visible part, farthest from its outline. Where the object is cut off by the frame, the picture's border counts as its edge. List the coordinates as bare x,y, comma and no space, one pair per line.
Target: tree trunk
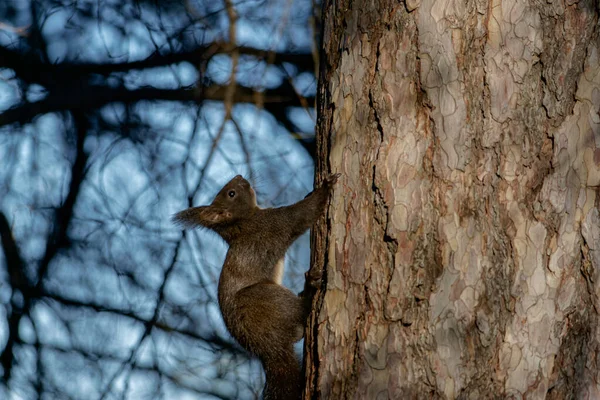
462,252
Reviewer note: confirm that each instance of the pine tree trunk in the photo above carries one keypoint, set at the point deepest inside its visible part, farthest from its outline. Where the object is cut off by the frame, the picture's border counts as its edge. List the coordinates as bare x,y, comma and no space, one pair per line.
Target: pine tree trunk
462,248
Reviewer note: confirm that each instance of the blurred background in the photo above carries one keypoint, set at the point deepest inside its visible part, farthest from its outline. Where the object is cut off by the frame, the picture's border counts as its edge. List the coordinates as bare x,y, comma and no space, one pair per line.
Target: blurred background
115,114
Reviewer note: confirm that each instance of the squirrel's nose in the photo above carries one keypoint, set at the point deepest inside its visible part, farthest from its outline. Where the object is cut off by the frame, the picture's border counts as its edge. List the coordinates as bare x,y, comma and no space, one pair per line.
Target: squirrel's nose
238,179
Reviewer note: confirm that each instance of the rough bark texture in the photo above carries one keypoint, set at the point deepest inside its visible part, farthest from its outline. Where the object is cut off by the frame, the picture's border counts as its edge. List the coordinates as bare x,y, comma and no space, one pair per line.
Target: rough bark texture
462,251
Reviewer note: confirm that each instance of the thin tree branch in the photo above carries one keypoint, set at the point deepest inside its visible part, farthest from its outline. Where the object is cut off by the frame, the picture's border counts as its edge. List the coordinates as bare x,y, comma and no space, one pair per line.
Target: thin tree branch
58,237
97,96
29,67
18,282
94,357
216,342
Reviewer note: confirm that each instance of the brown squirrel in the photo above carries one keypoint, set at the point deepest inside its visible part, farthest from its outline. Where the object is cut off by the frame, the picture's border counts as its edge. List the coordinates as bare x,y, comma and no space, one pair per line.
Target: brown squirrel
263,316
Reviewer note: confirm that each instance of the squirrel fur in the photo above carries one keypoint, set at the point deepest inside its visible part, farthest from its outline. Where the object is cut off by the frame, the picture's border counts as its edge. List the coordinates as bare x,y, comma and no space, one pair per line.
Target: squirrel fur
262,315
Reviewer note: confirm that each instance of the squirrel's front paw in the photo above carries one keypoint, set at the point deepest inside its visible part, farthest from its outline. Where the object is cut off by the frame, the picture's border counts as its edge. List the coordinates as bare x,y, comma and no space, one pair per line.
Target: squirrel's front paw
314,278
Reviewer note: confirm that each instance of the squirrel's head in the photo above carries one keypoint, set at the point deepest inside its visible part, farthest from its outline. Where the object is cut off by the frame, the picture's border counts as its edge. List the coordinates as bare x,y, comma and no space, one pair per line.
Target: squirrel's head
237,197
234,201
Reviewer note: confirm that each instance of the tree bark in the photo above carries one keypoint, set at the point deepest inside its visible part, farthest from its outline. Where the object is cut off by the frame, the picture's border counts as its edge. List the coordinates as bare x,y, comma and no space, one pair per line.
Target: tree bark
461,251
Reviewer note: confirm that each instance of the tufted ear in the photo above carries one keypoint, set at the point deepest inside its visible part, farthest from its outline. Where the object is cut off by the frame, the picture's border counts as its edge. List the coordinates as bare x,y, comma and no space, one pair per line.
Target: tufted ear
205,216
215,215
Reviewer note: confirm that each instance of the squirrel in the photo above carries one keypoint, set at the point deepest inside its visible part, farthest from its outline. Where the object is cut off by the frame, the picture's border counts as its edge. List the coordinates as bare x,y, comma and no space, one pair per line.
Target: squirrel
262,315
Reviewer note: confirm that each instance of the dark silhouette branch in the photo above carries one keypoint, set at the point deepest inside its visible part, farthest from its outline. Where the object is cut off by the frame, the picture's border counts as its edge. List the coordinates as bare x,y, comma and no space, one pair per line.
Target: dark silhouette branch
214,341
31,69
92,97
94,357
69,84
58,237
279,111
19,283
148,325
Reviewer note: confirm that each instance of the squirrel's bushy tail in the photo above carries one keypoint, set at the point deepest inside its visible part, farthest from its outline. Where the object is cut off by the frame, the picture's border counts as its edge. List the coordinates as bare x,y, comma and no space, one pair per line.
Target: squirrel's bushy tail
282,375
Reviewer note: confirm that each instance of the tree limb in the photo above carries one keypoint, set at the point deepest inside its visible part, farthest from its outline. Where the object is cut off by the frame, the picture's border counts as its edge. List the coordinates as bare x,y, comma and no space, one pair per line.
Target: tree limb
95,96
18,282
31,69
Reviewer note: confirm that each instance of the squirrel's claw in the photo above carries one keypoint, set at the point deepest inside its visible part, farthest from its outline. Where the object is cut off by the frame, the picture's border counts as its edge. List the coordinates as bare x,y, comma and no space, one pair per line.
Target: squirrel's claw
332,179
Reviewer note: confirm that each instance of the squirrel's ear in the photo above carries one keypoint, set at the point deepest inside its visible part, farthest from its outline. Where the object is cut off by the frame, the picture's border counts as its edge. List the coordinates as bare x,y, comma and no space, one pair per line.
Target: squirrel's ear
215,215
189,218
200,216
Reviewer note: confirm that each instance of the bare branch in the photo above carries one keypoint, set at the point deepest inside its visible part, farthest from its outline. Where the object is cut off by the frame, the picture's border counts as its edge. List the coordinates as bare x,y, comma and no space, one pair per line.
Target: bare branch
29,67
18,282
97,96
64,214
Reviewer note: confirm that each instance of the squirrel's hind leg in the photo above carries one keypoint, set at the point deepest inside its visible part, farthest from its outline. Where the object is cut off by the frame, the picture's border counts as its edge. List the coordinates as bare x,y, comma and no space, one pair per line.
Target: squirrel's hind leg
270,319
268,316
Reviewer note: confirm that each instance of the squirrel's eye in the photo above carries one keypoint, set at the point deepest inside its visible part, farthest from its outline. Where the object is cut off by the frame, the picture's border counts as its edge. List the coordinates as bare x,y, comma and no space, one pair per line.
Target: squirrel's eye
231,193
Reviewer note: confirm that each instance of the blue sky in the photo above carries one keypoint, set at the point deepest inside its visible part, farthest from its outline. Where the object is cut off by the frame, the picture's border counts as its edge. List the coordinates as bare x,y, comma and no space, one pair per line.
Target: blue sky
125,263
